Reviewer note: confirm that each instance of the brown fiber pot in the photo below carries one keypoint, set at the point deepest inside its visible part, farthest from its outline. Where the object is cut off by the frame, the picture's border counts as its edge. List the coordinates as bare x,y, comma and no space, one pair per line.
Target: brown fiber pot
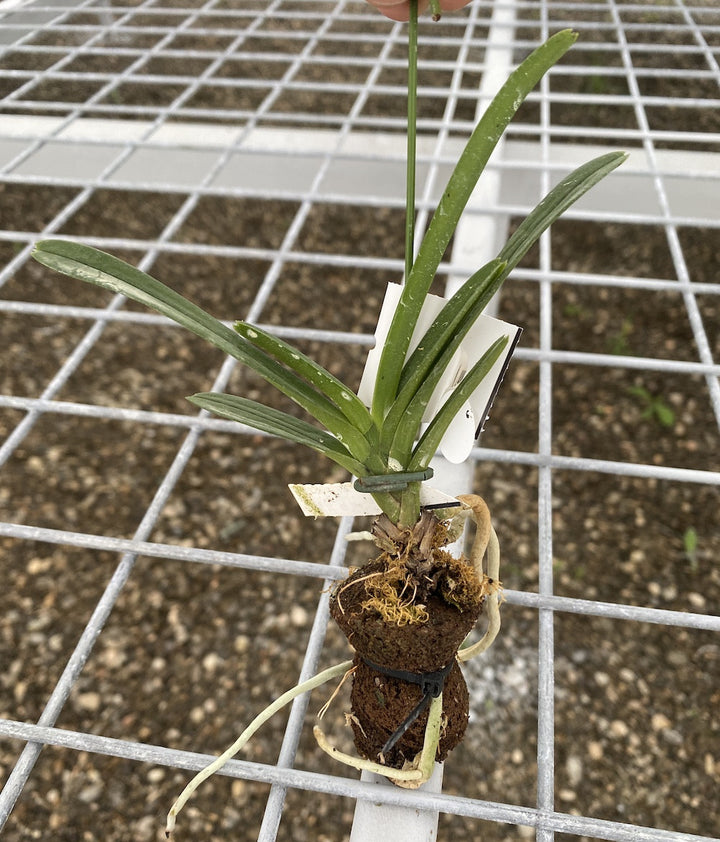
380,703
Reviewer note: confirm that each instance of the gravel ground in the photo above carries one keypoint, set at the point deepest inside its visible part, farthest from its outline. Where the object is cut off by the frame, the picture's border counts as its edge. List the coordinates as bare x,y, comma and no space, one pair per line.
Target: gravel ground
191,652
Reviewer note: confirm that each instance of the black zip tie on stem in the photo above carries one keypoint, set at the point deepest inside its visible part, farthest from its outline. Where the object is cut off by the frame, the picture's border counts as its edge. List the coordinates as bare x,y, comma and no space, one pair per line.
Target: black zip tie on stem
397,481
431,685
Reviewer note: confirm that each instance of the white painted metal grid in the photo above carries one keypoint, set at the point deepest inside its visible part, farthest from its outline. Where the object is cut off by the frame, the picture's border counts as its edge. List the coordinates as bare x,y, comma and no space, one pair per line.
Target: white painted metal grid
89,106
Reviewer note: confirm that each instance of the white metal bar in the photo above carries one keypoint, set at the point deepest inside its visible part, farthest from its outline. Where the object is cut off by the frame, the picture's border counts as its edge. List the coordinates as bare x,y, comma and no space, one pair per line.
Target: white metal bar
546,635
376,820
314,782
618,611
676,251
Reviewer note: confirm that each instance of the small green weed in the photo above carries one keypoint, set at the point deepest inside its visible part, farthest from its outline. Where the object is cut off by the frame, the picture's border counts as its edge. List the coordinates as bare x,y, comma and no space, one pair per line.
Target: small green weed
618,343
574,311
690,545
654,406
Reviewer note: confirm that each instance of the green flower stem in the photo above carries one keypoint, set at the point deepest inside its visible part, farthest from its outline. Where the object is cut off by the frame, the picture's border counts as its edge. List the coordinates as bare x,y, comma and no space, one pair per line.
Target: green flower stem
411,137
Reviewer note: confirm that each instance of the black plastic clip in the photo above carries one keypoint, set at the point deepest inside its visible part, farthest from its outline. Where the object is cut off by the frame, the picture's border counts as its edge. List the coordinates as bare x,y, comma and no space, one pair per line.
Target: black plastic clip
398,481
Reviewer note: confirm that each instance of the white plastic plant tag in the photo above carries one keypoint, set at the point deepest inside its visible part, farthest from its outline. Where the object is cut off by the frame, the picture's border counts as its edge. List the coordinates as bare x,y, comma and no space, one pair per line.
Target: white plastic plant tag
457,442
468,424
338,499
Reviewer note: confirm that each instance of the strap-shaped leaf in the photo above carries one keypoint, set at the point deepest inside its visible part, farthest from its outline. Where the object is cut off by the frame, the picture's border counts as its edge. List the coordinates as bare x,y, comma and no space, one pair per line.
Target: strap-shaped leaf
428,362
473,296
462,182
277,423
406,431
104,270
430,441
346,401
88,264
555,203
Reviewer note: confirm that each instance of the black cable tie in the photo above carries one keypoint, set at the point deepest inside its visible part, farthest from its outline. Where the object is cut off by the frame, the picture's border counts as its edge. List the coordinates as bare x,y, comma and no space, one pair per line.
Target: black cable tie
430,683
414,714
397,481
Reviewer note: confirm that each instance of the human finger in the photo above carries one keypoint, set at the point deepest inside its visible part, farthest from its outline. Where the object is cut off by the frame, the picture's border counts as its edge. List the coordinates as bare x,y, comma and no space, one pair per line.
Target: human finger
400,9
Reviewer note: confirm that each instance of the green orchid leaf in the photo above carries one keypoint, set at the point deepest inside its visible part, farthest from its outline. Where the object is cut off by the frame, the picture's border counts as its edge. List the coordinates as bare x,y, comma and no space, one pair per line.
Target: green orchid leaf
276,423
346,401
423,369
104,270
406,413
430,441
406,431
472,298
428,362
462,182
557,201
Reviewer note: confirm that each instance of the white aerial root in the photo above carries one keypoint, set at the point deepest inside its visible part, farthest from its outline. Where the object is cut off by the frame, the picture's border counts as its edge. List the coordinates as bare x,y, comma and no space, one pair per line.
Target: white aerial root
492,603
260,719
363,535
485,540
412,775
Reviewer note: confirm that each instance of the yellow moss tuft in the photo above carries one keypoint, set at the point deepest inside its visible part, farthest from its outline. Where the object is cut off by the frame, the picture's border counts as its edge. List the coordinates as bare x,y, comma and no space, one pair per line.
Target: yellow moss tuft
459,585
392,595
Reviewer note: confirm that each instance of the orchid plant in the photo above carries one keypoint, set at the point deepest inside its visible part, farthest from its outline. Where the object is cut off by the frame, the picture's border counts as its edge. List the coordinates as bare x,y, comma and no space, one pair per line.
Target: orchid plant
386,440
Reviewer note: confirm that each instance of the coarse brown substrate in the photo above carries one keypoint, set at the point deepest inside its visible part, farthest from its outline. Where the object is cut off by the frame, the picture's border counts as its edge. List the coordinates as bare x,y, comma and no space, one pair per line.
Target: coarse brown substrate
381,703
412,615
